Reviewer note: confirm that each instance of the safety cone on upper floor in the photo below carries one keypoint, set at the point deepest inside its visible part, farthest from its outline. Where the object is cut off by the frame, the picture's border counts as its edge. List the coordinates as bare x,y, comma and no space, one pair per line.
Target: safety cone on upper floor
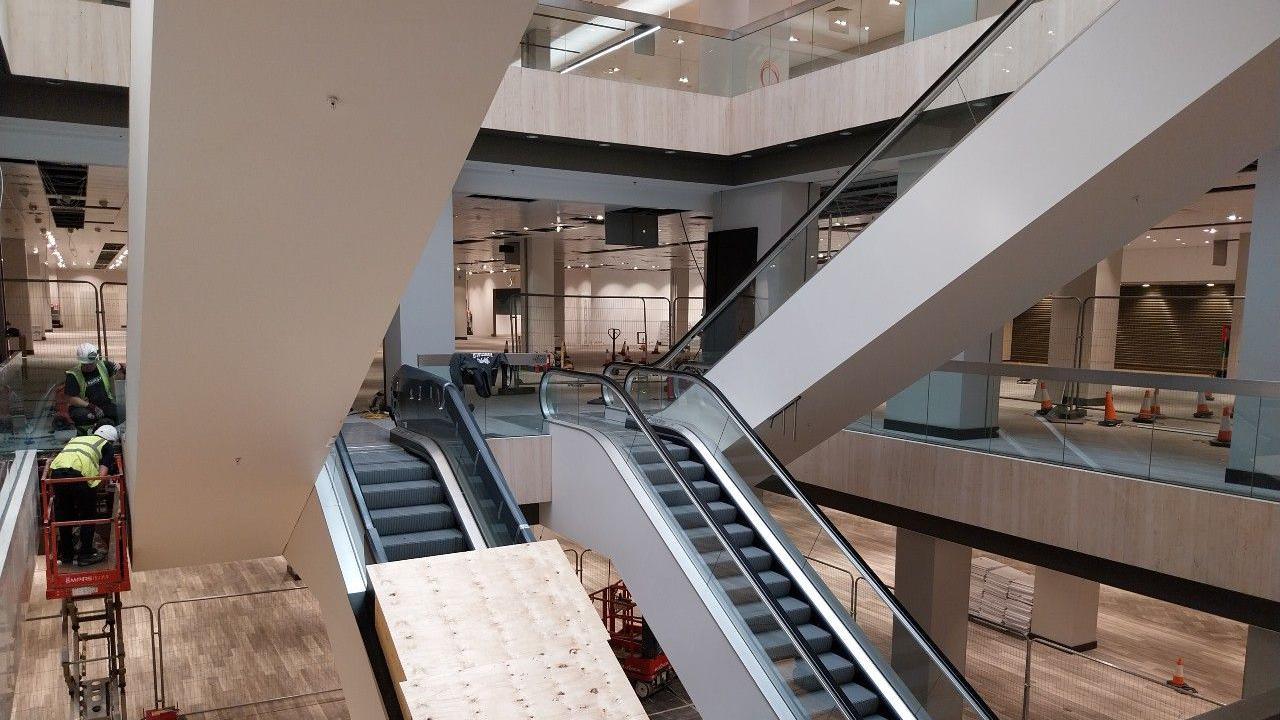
1109,417
1156,412
1202,406
1145,415
1179,680
1042,394
1224,428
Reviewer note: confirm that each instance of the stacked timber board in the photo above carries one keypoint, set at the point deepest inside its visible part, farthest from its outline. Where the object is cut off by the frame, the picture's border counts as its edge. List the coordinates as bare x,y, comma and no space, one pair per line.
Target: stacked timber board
500,633
1001,595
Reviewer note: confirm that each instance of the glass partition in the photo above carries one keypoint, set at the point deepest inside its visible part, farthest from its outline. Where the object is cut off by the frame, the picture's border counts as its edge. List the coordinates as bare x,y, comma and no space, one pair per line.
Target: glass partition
426,404
591,401
1008,54
1202,432
907,658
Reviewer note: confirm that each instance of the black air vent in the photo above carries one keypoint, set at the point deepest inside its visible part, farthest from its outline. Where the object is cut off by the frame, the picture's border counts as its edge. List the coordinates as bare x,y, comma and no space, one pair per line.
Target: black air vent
108,253
65,185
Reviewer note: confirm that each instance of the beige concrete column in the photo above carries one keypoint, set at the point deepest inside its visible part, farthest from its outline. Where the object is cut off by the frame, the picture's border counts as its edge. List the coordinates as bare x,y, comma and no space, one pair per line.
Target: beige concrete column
1261,661
1066,609
932,582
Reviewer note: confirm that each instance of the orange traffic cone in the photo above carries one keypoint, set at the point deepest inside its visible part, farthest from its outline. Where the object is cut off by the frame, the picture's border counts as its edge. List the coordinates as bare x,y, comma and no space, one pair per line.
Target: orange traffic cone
1042,394
1145,415
1224,428
1109,417
1178,680
1156,412
1202,407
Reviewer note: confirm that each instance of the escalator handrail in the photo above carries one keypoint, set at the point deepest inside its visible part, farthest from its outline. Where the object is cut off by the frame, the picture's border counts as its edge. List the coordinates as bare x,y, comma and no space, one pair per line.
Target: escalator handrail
371,534
460,415
900,613
820,671
891,135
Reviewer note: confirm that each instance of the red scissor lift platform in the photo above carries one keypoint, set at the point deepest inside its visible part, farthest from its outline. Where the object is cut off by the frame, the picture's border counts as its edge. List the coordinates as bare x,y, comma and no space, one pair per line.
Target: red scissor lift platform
92,631
647,668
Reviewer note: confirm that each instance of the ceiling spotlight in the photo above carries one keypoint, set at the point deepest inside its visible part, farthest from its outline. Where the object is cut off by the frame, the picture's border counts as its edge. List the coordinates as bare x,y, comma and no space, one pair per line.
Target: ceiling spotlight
683,79
792,38
791,145
1209,284
604,144
746,155
679,40
1146,284
866,28
669,152
1233,217
599,217
526,229
895,2
35,251
1206,242
531,136
840,21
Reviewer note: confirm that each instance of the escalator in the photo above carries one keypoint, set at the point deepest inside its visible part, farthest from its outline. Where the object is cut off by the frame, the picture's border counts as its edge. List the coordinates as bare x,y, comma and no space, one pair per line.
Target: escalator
685,501
1016,171
426,483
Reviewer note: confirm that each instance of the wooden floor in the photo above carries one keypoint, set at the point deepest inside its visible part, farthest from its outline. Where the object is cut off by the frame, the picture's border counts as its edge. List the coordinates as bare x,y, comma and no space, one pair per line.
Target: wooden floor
223,658
1134,632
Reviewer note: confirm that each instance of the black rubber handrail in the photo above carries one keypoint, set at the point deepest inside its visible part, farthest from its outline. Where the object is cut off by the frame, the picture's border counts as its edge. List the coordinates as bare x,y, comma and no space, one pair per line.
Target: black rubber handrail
890,136
900,613
637,418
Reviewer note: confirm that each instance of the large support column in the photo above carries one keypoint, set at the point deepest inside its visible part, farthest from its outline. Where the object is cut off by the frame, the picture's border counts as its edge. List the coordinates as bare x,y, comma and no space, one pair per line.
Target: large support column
544,280
1261,661
1256,432
423,322
1093,343
772,209
1066,609
932,581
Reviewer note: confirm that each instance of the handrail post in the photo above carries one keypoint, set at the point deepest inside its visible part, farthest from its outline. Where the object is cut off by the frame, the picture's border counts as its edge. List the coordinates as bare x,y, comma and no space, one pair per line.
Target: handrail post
1026,680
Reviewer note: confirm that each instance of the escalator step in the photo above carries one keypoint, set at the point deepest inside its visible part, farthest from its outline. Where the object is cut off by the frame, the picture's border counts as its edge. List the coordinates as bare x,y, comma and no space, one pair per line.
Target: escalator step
402,471
841,668
689,517
412,518
759,619
864,701
423,544
778,647
659,475
645,455
673,493
740,590
722,564
705,540
373,455
399,494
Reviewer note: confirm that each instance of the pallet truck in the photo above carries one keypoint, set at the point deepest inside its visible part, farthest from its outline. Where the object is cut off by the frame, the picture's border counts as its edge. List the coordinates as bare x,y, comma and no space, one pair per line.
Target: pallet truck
93,635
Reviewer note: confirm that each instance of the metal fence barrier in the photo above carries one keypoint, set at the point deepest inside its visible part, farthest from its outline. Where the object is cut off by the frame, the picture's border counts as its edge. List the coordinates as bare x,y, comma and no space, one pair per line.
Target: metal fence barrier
583,325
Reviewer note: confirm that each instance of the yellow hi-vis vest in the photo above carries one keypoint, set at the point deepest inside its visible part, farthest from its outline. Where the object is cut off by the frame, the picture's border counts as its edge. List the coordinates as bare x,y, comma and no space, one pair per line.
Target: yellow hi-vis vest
83,383
82,454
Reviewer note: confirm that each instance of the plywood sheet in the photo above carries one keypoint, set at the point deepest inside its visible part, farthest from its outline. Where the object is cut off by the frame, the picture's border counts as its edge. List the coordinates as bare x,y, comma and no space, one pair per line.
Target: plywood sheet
507,632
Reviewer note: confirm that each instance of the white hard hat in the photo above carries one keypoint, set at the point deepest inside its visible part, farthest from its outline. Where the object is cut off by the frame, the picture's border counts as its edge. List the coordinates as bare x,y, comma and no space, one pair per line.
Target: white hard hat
87,353
108,432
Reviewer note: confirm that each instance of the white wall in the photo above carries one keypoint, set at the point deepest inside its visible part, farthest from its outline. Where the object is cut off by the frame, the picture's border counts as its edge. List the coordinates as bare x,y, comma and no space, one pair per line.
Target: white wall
587,322
1192,263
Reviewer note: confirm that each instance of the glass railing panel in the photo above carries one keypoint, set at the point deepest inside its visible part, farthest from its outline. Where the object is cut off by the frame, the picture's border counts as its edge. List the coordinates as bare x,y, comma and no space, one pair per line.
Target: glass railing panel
587,401
1012,51
1160,430
428,405
906,666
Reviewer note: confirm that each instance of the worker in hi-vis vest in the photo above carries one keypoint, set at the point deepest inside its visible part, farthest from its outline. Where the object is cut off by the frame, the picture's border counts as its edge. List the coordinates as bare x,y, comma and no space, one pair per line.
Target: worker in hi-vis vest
90,388
89,457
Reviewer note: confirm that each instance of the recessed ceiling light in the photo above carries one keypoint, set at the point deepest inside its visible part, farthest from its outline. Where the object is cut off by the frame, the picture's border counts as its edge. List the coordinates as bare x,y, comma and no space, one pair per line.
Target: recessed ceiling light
841,22
1209,284
683,79
604,144
1146,284
866,28
678,41
895,2
792,145
846,133
670,152
524,228
599,217
792,38
1233,217
531,136
1178,239
1148,237
746,155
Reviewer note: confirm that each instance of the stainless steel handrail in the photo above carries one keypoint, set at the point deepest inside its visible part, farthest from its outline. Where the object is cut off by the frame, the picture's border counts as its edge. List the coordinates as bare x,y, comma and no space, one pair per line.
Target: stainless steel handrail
900,614
637,417
873,153
372,537
1132,378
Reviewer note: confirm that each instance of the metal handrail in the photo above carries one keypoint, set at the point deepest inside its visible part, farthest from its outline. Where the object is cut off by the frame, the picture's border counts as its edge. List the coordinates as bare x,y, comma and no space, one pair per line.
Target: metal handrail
873,153
1131,378
644,310
637,417
372,537
900,614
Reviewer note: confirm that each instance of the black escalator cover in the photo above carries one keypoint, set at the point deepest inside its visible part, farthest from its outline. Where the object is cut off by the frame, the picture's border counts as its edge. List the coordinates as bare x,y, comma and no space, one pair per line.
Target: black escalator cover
800,613
405,497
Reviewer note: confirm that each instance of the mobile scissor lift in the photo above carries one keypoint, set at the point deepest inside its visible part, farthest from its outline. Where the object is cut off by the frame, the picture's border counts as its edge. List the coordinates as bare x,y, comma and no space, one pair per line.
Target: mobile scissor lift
93,637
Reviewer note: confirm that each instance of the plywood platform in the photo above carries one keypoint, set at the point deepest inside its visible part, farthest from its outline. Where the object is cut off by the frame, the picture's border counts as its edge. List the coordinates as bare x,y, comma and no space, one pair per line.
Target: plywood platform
502,633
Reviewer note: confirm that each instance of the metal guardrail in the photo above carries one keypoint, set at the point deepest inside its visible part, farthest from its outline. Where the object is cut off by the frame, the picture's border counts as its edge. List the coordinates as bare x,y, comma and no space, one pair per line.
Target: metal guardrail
1132,378
372,538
